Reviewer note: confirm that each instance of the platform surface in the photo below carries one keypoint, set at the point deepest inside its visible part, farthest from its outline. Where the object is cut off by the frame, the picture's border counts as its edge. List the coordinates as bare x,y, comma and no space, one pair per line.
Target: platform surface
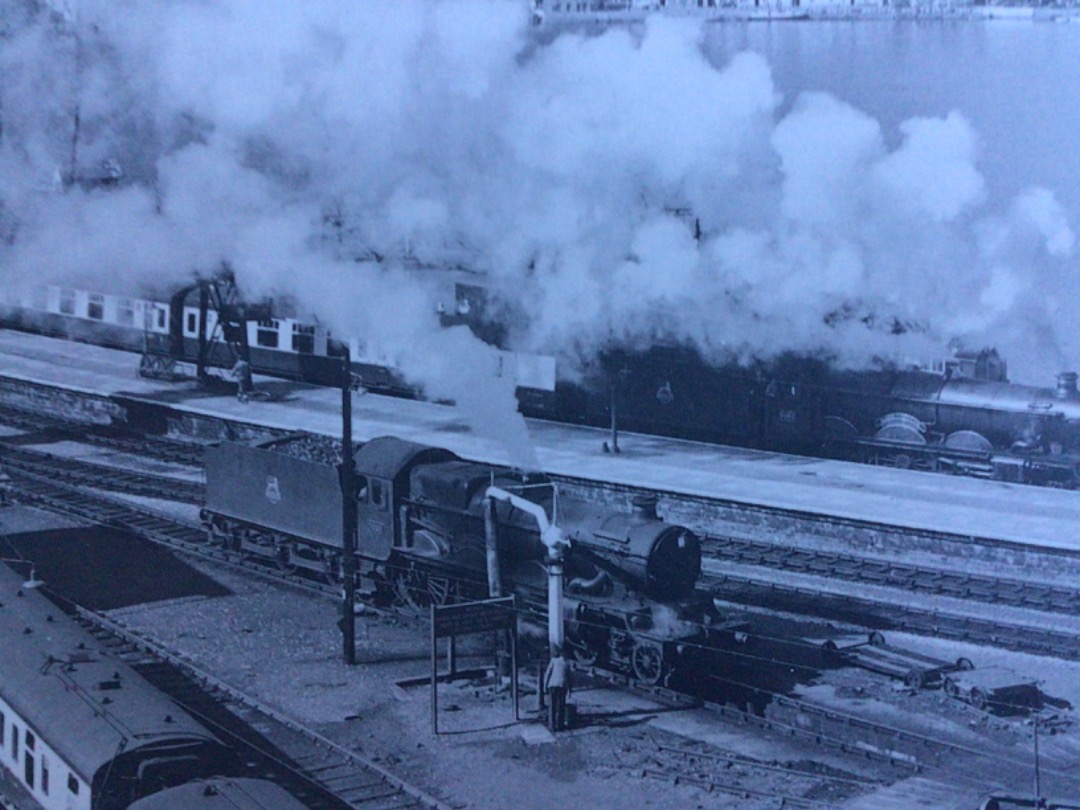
931,501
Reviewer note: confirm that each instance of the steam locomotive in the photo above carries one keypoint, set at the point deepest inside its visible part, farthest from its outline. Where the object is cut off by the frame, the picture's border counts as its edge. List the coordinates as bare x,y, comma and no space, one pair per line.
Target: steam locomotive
81,729
960,416
422,540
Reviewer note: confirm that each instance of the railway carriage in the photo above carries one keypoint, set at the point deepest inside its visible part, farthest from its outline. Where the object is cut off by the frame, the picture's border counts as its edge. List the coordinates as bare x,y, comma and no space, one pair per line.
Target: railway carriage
285,347
80,730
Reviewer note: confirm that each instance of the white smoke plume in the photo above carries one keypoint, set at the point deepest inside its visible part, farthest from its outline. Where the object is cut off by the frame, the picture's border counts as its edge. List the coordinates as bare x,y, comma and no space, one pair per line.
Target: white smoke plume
614,188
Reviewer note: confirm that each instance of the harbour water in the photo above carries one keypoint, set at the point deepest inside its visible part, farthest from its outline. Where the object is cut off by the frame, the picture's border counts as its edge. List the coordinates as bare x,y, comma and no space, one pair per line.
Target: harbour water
1016,81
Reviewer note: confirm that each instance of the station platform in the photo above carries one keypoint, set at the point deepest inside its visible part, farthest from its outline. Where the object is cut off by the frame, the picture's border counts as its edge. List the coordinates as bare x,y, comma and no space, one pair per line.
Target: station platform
925,501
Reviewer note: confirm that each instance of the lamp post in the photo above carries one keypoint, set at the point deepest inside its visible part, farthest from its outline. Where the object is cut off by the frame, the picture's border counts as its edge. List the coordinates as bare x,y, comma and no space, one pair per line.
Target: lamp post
348,511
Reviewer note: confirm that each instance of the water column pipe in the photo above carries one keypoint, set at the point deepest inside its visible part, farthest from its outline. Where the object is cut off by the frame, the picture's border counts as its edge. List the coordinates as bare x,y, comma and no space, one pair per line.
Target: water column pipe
556,542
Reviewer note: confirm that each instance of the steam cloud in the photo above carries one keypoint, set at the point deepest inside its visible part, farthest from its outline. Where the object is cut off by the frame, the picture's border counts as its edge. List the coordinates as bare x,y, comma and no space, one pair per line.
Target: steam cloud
299,139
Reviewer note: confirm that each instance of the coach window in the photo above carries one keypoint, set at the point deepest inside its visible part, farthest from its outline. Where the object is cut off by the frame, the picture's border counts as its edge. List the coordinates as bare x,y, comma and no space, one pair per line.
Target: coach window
67,302
73,784
125,312
361,488
192,327
3,728
28,769
95,308
303,339
45,774
267,334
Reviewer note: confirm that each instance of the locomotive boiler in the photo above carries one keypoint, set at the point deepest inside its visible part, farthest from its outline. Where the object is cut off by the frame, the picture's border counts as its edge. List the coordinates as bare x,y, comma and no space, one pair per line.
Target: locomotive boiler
421,538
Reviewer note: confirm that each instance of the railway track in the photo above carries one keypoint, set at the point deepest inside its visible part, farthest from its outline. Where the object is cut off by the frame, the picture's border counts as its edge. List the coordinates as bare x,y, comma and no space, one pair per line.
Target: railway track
791,717
62,486
887,614
1009,592
901,752
318,771
53,427
717,772
83,473
166,530
1006,591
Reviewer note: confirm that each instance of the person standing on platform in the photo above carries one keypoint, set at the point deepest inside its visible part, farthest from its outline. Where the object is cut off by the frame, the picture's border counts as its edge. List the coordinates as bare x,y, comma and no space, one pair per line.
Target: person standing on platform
557,686
241,372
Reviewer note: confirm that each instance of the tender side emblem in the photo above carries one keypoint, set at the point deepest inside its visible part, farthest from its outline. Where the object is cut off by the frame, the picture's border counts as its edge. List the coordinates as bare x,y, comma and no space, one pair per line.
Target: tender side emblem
273,490
664,394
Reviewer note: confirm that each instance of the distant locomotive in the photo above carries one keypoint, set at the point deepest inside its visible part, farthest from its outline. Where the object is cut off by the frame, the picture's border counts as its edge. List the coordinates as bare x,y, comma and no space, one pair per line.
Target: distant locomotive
961,416
81,730
422,540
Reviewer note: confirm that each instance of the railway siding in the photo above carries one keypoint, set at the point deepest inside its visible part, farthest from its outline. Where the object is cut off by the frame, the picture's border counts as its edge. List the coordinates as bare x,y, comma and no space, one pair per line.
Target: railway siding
790,528
707,515
41,476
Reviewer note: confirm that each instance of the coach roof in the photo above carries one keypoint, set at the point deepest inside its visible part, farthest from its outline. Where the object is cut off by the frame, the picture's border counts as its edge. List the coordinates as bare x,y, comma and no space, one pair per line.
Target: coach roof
81,703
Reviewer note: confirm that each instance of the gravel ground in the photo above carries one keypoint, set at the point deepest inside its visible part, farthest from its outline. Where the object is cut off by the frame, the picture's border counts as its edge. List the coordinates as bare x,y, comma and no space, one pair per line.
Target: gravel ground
283,647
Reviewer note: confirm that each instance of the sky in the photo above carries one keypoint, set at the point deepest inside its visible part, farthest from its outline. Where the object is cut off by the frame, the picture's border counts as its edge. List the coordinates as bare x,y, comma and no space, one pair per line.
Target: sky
612,188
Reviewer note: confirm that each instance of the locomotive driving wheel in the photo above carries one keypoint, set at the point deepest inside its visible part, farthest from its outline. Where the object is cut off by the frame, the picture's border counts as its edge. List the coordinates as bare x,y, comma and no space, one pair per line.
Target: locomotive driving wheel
421,590
647,659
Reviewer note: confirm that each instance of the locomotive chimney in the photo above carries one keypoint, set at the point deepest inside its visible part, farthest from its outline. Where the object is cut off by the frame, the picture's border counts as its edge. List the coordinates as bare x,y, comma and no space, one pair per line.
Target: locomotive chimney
643,507
1066,385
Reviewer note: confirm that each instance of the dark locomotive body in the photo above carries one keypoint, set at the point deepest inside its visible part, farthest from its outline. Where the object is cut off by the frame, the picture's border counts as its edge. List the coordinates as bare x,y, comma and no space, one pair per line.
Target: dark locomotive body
963,418
422,540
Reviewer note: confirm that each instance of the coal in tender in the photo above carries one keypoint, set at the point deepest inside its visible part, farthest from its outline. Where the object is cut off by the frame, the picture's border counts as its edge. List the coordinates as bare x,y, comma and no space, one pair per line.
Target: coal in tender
104,569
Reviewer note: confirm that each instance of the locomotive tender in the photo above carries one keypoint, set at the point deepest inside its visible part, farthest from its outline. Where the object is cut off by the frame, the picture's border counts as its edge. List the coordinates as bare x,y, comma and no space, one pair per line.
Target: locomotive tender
82,730
421,540
960,416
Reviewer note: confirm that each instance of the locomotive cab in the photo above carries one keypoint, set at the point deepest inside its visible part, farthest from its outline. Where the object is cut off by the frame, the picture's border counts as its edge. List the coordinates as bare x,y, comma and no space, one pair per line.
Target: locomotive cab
383,468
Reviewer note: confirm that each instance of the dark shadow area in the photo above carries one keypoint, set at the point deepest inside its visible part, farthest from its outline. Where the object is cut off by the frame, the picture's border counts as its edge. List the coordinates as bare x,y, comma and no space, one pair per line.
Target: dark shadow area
103,569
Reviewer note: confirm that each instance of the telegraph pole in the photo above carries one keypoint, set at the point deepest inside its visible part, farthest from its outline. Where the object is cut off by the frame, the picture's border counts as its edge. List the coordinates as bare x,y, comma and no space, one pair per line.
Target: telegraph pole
348,511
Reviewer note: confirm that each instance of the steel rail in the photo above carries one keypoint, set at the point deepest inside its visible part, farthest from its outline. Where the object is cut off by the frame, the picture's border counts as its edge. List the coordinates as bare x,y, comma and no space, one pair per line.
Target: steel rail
888,614
1008,591
102,476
